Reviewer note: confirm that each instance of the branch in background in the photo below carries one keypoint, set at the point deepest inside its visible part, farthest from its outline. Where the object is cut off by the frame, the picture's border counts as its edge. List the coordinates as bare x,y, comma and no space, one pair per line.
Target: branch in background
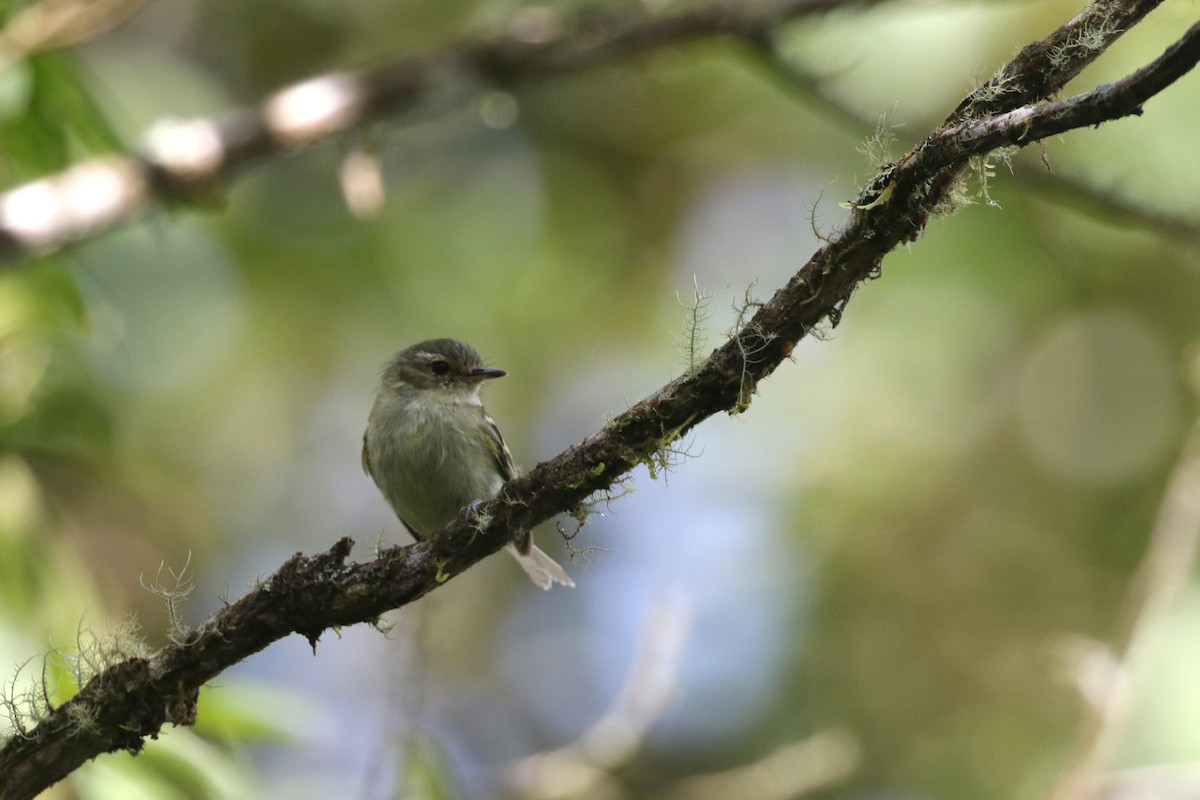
181,160
809,765
1039,121
1109,205
1160,782
51,24
585,766
1161,578
131,700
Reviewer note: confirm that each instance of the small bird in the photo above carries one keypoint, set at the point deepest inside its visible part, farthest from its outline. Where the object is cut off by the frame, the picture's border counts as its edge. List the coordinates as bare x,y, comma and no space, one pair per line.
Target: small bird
434,452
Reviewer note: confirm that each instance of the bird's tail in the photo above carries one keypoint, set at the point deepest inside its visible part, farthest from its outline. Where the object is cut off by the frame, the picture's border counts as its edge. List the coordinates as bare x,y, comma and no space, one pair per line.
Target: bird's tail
541,568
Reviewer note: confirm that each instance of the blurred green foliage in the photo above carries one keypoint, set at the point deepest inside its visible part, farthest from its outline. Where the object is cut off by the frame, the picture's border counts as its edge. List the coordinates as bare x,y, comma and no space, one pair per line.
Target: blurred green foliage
935,501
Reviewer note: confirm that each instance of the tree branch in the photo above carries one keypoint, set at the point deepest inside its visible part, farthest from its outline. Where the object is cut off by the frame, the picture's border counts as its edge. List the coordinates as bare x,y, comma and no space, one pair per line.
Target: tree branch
1033,122
182,160
1103,203
310,594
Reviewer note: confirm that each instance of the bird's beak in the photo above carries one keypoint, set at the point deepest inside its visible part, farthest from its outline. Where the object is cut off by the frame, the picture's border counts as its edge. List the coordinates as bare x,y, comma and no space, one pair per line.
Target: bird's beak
486,373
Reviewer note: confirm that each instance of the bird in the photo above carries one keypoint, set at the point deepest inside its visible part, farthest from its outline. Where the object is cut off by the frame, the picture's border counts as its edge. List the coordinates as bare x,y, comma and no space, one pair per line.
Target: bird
433,450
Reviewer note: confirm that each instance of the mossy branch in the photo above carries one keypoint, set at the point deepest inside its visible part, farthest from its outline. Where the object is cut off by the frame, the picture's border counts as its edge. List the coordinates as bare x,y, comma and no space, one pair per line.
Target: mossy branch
133,699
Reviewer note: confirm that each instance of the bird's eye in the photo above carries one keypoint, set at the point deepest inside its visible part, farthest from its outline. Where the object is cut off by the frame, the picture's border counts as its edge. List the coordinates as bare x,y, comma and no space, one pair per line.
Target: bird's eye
439,367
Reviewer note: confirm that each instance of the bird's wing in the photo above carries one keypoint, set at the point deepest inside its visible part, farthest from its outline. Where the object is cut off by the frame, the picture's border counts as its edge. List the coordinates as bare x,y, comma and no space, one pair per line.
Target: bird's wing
366,458
504,460
366,465
507,468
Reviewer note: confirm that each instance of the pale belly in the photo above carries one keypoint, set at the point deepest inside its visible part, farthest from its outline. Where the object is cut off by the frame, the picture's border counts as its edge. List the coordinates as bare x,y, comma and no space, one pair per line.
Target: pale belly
429,469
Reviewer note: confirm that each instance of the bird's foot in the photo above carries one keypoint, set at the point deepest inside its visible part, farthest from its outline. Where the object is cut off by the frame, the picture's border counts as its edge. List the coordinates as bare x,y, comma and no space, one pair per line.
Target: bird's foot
470,511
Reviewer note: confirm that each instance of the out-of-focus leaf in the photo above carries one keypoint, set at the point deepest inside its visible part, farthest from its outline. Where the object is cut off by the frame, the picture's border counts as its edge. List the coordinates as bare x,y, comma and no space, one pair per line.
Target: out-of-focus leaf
425,774
16,86
179,764
51,120
66,99
61,301
111,779
69,421
254,711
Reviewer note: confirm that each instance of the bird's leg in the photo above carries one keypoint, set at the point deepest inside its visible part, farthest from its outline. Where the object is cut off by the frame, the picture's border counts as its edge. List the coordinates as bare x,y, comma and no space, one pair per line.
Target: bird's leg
469,512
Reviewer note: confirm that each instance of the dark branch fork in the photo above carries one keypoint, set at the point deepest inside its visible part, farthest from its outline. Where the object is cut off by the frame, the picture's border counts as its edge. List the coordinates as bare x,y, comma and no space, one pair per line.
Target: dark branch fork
310,594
